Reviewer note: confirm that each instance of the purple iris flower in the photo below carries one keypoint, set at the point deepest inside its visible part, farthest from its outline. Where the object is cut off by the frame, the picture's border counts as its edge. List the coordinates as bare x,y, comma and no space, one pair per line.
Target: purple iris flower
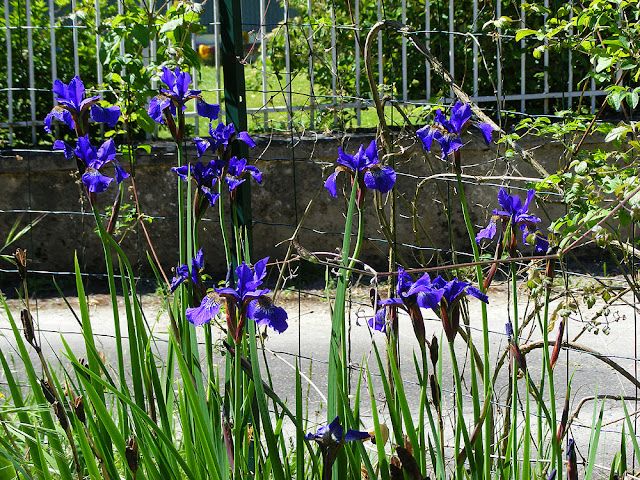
174,98
247,299
91,160
238,170
514,213
365,167
331,439
443,297
410,297
378,321
447,131
182,272
205,177
220,138
74,109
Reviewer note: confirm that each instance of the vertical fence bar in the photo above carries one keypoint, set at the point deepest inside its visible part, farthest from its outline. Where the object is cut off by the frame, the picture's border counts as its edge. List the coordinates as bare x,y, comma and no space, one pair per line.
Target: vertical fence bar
357,47
7,35
334,65
312,98
546,63
74,33
121,46
98,43
451,45
287,66
404,54
499,55
216,51
380,53
570,62
52,41
194,74
98,62
152,58
263,58
32,75
523,86
475,50
427,28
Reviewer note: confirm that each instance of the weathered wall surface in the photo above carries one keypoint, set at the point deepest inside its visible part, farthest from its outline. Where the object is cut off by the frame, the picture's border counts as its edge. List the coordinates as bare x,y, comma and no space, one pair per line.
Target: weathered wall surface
292,174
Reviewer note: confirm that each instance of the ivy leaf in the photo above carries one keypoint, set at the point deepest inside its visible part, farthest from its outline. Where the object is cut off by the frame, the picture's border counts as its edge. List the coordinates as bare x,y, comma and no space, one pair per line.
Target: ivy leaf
145,121
603,63
632,98
616,133
171,25
524,33
141,34
616,97
192,57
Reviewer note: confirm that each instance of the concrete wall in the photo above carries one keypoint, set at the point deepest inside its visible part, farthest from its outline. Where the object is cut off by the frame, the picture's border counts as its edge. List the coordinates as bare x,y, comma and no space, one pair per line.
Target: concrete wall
292,173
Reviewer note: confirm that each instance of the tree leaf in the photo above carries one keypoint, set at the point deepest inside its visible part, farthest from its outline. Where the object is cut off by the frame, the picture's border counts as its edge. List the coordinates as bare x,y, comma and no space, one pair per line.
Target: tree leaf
524,33
141,34
171,25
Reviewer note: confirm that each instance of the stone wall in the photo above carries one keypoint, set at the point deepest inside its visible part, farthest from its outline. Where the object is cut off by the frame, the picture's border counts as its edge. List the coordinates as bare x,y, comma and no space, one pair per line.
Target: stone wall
293,171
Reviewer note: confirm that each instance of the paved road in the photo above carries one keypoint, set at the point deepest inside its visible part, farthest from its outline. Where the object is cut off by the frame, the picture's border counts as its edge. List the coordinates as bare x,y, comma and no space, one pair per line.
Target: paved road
308,335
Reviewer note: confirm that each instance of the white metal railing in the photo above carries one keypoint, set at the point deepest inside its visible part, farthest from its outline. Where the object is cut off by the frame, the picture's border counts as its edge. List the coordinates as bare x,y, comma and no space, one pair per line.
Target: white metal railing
314,103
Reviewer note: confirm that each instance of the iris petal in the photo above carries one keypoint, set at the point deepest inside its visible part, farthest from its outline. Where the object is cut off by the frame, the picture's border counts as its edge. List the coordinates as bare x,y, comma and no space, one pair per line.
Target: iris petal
65,147
381,179
330,184
108,115
95,181
265,313
204,109
487,232
244,136
207,310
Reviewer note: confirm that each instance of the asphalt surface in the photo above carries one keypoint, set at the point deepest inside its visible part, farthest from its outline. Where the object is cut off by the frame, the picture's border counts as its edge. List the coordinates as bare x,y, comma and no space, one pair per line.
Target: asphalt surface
308,337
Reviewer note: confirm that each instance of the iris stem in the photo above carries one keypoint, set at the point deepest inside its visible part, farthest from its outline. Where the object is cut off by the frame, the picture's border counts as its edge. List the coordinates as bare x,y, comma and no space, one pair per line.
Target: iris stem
223,224
556,457
237,420
488,440
460,421
514,376
336,378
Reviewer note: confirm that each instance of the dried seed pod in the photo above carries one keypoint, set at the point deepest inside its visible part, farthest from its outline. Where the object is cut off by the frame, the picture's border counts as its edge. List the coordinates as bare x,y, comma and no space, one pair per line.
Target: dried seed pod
489,278
435,391
27,328
47,390
556,348
563,421
572,466
78,408
21,261
517,355
418,324
60,413
433,351
131,454
384,432
83,361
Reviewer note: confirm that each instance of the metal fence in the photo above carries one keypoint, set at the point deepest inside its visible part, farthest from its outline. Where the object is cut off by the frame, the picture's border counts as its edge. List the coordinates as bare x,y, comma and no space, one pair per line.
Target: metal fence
296,60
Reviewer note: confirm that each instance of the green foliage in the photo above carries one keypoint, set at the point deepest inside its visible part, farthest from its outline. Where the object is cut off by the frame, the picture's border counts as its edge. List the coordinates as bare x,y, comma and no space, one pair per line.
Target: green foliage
64,48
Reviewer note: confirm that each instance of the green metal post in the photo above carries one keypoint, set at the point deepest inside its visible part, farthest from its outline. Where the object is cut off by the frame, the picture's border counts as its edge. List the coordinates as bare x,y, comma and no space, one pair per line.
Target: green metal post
235,101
